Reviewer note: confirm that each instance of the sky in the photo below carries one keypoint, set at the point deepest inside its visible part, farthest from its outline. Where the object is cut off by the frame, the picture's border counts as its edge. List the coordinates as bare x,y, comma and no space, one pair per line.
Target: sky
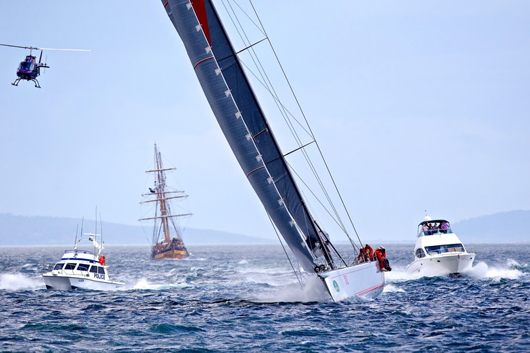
416,105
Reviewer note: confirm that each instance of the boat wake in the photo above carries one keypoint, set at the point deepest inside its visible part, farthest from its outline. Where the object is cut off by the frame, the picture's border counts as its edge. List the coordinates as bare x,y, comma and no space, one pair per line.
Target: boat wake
312,291
144,284
511,270
19,282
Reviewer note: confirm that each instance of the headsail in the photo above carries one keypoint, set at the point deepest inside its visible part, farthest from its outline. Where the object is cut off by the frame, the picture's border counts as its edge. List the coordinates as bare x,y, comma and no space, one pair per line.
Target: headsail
243,122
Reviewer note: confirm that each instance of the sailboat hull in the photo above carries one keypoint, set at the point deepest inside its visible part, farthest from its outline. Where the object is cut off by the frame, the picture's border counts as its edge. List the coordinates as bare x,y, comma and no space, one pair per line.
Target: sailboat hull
364,280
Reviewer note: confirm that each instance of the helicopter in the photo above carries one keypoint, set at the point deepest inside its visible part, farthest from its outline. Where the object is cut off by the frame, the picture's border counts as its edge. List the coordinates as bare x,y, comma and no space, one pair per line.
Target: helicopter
29,69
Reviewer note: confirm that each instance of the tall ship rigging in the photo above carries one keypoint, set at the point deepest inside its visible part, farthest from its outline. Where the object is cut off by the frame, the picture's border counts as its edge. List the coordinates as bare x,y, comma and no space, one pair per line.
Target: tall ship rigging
224,78
167,242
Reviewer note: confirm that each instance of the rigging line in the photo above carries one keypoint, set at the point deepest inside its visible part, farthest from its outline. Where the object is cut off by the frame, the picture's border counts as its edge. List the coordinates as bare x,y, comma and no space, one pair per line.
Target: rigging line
285,251
245,13
276,99
320,151
266,81
340,224
283,111
260,67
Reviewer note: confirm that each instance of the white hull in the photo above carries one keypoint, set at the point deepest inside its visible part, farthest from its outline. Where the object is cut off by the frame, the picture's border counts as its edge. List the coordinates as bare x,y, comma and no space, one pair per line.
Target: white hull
442,264
364,280
58,282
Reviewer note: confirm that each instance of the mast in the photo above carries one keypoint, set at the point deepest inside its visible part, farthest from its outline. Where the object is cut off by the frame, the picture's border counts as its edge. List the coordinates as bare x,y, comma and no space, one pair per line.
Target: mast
160,190
244,125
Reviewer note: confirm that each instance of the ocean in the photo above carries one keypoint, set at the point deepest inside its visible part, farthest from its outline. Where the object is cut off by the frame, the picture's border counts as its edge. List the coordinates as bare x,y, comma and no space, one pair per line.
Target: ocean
246,298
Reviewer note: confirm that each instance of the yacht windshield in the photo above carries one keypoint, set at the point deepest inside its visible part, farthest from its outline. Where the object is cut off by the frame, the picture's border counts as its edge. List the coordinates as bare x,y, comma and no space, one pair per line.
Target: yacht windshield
70,266
82,267
58,266
440,249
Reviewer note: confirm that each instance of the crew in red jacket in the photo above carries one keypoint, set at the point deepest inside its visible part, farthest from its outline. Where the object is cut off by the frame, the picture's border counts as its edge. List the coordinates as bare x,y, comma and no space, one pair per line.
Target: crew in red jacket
380,253
369,252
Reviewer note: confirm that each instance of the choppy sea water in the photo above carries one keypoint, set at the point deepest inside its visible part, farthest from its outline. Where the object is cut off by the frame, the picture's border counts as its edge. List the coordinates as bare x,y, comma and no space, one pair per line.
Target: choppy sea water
245,298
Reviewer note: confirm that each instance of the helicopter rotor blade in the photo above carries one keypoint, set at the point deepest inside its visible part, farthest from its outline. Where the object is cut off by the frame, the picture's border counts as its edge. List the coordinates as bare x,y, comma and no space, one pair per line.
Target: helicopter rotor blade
18,46
63,49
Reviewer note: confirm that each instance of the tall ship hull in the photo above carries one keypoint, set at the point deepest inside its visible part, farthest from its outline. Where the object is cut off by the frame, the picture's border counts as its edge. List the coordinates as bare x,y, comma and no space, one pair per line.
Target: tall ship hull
175,250
167,242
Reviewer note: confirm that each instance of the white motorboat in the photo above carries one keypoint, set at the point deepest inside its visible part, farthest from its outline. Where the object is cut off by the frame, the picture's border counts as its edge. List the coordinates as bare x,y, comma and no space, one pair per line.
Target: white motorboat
438,250
81,269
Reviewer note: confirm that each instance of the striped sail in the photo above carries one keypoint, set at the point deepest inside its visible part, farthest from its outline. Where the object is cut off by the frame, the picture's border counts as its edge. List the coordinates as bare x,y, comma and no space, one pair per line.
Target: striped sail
242,121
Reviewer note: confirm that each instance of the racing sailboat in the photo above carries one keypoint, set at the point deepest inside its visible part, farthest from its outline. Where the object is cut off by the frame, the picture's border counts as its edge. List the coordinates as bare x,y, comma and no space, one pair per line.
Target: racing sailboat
224,80
167,240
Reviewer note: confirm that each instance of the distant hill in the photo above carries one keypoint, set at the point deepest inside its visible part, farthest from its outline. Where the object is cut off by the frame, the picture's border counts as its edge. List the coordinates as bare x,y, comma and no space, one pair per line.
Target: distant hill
502,227
26,230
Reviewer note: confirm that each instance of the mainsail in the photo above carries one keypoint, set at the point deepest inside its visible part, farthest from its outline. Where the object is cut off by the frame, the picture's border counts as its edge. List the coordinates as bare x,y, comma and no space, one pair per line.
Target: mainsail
243,122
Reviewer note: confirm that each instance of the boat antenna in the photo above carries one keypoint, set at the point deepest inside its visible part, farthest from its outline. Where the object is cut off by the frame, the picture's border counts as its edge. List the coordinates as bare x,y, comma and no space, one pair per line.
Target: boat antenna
101,228
76,229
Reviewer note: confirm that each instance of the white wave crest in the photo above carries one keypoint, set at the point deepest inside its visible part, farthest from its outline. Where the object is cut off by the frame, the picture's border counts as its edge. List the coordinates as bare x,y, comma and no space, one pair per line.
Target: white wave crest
508,271
144,284
19,282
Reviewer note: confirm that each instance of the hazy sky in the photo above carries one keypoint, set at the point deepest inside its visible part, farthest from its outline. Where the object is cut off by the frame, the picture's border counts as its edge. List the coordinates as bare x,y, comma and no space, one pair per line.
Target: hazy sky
417,105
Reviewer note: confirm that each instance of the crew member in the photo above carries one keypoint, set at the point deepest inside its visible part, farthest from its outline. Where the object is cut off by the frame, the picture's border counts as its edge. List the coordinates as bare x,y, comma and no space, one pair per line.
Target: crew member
380,253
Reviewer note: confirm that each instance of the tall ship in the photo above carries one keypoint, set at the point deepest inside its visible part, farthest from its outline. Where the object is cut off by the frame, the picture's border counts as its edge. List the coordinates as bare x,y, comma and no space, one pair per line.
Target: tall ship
167,242
224,78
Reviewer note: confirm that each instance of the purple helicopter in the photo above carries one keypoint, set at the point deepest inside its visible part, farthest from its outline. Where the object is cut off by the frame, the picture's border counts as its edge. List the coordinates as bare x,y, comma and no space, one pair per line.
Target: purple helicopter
29,69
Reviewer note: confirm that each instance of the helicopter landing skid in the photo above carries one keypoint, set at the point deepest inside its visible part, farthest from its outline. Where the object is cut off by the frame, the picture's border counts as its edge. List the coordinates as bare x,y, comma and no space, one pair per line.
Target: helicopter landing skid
18,80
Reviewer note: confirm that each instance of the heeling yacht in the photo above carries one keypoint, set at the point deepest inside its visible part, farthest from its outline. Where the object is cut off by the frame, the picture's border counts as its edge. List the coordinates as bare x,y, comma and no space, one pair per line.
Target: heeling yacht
438,250
81,269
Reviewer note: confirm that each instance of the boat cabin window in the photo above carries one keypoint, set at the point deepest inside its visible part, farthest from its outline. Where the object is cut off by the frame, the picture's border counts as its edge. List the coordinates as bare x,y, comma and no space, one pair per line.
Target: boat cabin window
440,249
94,269
420,253
70,266
82,267
101,270
58,266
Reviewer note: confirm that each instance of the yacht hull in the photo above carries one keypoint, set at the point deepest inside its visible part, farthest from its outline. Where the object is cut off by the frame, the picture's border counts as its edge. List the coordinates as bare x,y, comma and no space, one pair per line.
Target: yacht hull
365,280
443,264
57,282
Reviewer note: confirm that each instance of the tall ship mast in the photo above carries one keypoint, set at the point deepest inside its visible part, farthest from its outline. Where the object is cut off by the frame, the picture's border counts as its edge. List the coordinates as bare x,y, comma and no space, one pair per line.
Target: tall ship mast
167,242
